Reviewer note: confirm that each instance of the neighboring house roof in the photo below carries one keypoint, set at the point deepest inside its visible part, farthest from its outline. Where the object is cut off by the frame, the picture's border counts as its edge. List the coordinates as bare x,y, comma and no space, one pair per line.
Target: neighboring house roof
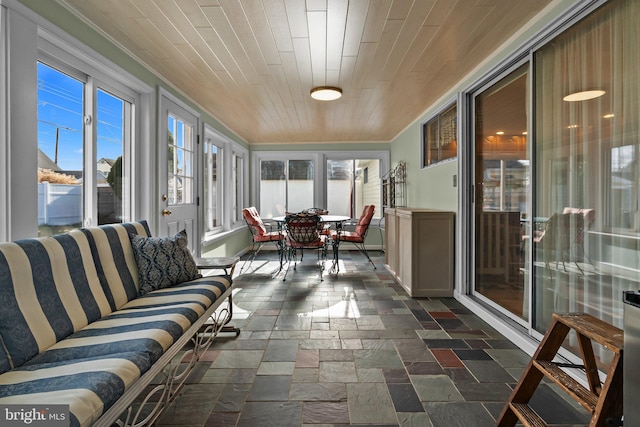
110,162
44,162
105,165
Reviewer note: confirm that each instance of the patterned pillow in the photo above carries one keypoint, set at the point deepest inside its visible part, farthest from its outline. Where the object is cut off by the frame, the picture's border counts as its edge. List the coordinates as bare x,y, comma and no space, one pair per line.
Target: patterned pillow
163,261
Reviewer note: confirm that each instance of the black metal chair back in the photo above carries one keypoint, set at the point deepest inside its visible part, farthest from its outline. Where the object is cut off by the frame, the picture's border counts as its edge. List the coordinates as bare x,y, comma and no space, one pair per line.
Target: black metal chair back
303,231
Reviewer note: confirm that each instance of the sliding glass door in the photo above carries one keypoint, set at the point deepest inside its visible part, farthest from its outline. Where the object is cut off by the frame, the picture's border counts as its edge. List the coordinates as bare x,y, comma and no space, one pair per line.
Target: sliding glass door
501,184
587,186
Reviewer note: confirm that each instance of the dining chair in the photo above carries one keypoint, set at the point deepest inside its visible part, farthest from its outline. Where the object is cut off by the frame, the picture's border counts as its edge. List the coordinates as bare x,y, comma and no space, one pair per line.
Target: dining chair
358,235
304,231
326,228
589,216
260,235
558,238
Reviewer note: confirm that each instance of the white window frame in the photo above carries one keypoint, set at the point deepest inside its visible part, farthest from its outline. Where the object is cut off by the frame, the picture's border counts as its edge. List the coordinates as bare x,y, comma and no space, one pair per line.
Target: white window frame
286,156
320,166
139,152
230,188
50,56
382,156
27,36
424,149
60,50
214,139
238,197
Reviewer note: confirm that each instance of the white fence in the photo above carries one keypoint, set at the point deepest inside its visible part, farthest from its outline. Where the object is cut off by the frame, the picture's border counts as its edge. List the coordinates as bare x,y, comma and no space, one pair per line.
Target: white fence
59,204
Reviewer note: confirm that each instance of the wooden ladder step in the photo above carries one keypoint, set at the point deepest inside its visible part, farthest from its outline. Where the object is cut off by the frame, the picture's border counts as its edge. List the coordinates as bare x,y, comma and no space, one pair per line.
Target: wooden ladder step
595,329
527,415
577,391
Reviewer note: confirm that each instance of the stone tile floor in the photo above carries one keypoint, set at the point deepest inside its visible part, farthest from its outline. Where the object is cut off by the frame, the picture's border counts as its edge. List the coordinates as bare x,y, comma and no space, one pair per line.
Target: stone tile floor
353,349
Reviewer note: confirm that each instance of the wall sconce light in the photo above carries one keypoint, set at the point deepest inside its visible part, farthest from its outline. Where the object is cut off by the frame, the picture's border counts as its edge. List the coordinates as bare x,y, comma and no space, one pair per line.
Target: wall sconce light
326,93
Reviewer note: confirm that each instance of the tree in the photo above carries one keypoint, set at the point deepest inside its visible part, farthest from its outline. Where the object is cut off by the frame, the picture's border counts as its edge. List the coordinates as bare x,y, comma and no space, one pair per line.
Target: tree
115,177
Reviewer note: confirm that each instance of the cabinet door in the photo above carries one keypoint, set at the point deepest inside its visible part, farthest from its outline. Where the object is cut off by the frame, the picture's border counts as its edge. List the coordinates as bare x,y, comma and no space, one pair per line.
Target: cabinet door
433,255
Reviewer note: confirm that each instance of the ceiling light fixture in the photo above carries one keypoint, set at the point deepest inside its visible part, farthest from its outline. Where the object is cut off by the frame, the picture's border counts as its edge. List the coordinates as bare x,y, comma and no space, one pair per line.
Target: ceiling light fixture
583,95
326,93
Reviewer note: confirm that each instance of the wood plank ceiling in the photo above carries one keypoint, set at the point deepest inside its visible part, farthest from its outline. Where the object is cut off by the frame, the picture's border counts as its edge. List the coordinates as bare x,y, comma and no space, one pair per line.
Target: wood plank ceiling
252,63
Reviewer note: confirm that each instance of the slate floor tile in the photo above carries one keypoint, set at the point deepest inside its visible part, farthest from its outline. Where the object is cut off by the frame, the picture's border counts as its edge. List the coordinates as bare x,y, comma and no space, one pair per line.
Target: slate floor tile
436,388
458,414
325,413
397,375
271,414
445,343
370,403
404,398
270,388
423,368
471,354
447,358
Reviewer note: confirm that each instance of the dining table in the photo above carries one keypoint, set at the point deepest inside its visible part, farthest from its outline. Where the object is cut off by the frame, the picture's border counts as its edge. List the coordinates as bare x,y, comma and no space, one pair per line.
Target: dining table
336,221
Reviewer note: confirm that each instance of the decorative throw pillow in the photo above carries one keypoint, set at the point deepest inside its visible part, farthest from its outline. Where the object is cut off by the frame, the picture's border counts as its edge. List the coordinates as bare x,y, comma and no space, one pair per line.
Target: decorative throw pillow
163,261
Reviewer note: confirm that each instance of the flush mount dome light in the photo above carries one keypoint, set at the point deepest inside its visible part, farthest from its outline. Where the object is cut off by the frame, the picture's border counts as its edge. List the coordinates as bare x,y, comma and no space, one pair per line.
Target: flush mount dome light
326,93
584,95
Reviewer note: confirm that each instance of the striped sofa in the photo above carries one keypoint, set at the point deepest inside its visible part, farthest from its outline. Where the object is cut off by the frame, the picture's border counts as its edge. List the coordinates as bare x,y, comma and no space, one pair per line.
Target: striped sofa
74,330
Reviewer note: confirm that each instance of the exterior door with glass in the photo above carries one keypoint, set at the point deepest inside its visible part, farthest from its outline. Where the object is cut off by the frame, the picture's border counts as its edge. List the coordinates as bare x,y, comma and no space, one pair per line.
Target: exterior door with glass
501,196
177,159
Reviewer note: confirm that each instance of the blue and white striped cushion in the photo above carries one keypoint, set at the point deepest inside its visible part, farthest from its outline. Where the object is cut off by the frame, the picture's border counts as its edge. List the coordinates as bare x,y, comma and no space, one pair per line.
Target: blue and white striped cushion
150,326
5,362
88,385
90,369
115,261
49,289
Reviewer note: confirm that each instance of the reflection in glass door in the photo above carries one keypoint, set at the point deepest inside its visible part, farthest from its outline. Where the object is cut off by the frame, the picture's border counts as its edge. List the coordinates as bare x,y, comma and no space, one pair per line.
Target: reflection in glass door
501,194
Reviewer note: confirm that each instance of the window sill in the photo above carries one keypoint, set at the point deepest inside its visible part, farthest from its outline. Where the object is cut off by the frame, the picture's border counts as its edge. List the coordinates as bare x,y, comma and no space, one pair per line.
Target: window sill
213,238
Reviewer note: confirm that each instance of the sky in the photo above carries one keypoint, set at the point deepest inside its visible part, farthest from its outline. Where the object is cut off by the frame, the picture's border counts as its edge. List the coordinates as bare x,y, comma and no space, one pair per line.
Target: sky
60,110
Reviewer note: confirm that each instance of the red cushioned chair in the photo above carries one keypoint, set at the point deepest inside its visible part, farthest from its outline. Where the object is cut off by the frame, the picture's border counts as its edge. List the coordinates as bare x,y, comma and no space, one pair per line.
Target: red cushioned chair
260,235
359,234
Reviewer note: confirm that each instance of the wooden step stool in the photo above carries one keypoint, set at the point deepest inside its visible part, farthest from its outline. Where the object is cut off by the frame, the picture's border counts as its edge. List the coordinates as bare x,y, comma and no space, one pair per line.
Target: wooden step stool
603,401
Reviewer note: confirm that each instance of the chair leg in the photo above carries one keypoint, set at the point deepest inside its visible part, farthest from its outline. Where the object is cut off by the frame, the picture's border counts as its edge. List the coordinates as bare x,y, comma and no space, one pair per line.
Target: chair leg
366,253
253,255
335,266
281,249
322,258
289,254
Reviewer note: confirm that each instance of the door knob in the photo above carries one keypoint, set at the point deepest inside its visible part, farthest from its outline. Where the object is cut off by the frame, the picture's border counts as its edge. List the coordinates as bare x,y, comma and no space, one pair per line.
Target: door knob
166,212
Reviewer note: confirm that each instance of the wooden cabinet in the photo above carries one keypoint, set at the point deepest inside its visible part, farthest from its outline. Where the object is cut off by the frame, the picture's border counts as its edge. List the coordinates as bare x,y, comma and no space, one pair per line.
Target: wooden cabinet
419,250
